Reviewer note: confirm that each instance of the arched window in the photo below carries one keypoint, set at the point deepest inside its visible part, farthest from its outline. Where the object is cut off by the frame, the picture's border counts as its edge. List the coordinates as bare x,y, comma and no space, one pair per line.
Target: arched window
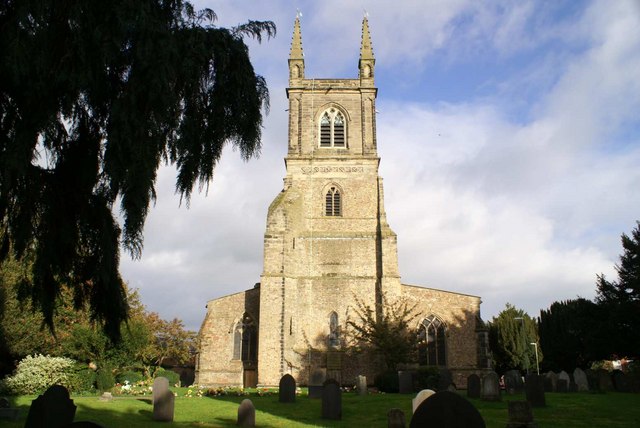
332,129
432,342
333,202
334,330
245,340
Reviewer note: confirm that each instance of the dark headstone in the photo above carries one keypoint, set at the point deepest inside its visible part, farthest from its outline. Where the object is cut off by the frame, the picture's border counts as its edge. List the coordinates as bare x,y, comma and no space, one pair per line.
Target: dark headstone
620,381
446,409
445,379
513,382
331,400
317,378
563,386
473,386
592,379
553,378
580,378
163,400
246,414
564,376
604,380
520,415
287,389
361,385
405,382
534,390
395,419
420,397
490,387
53,409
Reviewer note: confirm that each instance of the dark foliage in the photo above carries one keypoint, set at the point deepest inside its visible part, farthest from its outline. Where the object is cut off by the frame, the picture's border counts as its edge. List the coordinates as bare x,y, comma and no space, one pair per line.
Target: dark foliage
94,96
387,381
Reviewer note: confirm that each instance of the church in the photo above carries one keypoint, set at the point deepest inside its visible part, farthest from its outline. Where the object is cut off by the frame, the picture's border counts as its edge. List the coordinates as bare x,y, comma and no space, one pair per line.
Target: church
328,247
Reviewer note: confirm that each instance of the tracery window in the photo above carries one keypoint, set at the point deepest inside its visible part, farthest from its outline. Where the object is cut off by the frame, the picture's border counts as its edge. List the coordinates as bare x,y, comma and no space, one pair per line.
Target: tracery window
333,202
334,330
332,129
245,340
432,342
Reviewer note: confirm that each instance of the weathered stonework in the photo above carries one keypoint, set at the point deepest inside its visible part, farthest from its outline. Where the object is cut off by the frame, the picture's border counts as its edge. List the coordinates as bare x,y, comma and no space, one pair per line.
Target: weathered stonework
317,264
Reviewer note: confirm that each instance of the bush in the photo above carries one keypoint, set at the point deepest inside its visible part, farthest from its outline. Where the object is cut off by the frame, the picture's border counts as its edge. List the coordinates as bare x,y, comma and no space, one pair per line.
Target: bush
131,376
83,379
427,377
35,374
104,378
174,378
387,381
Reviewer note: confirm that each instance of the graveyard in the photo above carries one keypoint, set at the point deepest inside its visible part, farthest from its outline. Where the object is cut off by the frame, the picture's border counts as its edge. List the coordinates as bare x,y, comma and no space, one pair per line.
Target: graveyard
578,409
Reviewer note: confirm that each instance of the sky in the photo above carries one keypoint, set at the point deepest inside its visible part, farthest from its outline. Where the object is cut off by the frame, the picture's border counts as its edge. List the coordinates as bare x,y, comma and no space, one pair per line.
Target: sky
509,137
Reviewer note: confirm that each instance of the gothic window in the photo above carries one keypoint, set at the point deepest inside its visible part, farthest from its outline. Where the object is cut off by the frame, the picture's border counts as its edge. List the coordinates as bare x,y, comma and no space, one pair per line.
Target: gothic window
245,340
432,342
334,330
332,129
333,202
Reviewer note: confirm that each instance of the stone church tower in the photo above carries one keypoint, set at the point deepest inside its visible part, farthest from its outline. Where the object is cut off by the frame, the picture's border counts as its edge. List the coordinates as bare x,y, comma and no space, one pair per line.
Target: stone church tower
327,245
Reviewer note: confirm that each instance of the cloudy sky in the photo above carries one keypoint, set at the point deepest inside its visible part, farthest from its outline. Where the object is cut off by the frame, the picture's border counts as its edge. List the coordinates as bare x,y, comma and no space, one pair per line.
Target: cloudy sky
509,133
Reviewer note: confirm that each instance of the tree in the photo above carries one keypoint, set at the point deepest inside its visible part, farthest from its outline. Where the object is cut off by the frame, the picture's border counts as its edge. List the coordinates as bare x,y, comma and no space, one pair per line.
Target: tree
510,335
386,332
620,300
94,96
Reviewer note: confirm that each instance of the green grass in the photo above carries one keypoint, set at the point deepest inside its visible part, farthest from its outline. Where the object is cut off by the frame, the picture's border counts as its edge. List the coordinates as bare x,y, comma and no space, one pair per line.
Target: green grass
563,410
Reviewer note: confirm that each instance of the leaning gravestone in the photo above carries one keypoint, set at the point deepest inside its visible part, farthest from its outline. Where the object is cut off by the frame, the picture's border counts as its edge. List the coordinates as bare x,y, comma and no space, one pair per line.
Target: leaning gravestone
331,400
361,385
53,409
446,409
534,390
580,378
553,379
163,400
405,382
604,380
246,414
473,386
395,419
513,382
315,383
445,379
490,387
420,397
620,381
287,389
520,415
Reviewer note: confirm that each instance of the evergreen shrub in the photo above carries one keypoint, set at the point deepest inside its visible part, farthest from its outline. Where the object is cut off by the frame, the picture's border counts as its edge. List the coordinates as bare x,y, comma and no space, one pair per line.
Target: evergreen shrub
36,373
104,378
173,377
387,381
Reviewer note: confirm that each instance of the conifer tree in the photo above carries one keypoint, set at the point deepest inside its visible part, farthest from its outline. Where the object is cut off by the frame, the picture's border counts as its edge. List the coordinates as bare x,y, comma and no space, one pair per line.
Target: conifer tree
511,334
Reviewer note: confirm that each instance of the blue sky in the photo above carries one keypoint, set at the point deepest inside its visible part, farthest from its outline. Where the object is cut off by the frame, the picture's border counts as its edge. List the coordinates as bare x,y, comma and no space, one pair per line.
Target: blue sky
509,137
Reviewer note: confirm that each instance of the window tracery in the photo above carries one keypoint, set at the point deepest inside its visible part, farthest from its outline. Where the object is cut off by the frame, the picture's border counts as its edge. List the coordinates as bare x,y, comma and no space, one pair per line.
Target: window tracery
332,129
333,202
432,342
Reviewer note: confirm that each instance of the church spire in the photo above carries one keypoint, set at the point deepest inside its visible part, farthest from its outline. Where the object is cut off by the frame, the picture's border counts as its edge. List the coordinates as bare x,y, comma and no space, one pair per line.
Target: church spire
296,56
367,59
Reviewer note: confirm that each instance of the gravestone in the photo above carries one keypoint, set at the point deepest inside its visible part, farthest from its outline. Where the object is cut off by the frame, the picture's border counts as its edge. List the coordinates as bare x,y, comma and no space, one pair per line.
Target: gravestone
520,415
362,385
490,387
604,380
405,382
395,419
287,389
564,376
106,396
163,400
592,379
534,390
246,414
331,400
53,409
318,376
580,378
445,379
446,409
420,397
563,386
473,386
553,378
513,382
620,381
6,411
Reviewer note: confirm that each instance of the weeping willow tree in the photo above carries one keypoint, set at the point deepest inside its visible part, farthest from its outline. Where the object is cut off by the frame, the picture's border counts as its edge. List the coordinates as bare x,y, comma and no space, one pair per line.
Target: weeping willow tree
94,97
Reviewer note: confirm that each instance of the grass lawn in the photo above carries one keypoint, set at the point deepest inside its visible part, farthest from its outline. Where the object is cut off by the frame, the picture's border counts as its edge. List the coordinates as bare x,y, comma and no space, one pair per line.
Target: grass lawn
563,410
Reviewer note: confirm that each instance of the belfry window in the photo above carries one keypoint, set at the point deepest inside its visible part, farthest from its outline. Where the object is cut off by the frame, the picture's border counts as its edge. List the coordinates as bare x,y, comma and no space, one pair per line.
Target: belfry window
333,202
432,342
332,129
245,340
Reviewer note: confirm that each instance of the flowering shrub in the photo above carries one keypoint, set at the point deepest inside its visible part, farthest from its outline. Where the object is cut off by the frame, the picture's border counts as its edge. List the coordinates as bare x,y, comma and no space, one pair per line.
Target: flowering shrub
225,390
142,387
35,374
195,391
